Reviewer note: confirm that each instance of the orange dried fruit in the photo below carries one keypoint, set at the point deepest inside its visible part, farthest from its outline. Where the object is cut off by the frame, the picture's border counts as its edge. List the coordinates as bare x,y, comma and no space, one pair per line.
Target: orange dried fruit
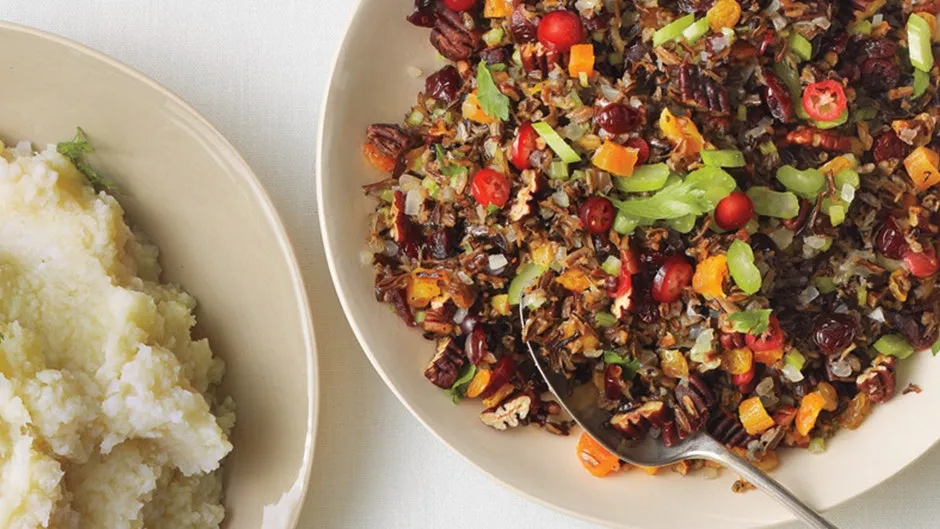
709,277
810,406
595,458
754,417
376,159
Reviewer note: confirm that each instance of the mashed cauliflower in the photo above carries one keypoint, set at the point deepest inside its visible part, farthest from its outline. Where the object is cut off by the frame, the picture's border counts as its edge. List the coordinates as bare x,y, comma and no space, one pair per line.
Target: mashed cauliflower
108,412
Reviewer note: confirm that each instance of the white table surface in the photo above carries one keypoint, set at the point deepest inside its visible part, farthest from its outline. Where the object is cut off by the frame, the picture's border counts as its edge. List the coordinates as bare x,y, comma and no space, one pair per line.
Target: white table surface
257,70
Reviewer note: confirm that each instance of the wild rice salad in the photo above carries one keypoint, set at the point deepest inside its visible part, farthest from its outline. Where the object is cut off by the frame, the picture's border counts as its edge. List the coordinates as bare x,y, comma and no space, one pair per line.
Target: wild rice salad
721,213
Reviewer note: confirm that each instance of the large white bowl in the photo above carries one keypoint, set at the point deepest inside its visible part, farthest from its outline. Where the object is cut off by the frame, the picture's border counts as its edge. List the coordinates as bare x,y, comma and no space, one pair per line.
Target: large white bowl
188,189
370,83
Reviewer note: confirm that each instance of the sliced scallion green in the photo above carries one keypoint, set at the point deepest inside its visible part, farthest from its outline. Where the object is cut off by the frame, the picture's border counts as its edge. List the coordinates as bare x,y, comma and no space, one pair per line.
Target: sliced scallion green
695,31
556,142
921,82
894,345
605,320
672,30
611,265
558,170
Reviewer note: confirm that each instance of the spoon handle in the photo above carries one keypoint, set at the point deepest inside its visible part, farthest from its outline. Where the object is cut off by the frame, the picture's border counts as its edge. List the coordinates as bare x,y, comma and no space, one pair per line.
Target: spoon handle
712,449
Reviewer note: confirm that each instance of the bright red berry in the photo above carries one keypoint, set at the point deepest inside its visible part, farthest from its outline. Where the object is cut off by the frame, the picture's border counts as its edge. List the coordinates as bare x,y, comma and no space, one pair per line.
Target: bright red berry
921,264
460,5
673,276
768,340
560,30
597,215
490,187
734,211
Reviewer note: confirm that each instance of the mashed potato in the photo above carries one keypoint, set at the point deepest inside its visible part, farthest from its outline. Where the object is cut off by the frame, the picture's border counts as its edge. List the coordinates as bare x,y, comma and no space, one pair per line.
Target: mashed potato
108,412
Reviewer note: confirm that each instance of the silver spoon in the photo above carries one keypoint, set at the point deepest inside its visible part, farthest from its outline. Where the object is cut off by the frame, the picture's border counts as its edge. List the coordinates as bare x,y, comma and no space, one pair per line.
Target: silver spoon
653,453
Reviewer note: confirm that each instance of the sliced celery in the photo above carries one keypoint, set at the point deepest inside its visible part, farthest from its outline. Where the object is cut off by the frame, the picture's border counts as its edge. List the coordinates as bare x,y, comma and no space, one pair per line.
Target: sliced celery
919,43
770,203
650,177
807,183
697,30
556,142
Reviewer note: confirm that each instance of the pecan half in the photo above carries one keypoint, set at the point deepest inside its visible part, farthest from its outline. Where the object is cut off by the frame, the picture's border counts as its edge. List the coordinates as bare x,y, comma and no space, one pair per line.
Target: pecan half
823,139
538,59
878,381
727,429
916,132
452,38
635,423
439,320
695,398
523,204
443,369
511,413
778,98
700,90
391,140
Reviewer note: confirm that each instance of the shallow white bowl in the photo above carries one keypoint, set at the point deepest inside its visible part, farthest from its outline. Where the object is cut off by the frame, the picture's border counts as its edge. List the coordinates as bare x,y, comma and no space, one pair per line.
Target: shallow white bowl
188,189
370,83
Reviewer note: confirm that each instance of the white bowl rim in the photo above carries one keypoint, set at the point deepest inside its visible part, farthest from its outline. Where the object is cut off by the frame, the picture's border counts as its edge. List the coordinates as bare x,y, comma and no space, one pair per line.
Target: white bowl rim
360,335
270,214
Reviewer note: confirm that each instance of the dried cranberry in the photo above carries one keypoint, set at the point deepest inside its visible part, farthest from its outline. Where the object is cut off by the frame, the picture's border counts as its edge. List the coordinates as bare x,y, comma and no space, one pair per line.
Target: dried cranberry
647,309
475,346
695,6
878,48
470,322
889,240
460,5
778,98
523,28
672,277
396,298
921,264
743,380
613,382
908,324
496,55
442,244
616,118
444,84
880,75
597,22
732,340
888,147
424,14
832,333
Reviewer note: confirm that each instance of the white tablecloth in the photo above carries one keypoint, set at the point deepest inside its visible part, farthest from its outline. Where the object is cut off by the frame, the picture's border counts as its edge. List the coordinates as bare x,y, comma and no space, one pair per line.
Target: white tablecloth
257,70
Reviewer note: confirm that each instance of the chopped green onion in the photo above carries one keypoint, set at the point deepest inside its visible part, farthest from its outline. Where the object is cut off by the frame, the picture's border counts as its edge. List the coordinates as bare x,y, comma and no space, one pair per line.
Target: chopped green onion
558,170
420,316
771,203
861,295
861,28
416,118
742,113
672,30
697,30
742,268
837,215
817,445
431,185
843,117
526,274
795,359
725,158
894,345
388,195
492,209
611,265
824,284
605,320
921,82
683,224
624,224
768,147
806,183
800,46
649,177
918,41
493,37
557,144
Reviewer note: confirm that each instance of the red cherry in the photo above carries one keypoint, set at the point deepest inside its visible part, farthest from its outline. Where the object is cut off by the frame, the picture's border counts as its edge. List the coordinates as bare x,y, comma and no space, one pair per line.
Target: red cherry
597,215
523,146
768,340
672,277
560,30
643,149
490,187
921,264
734,211
460,5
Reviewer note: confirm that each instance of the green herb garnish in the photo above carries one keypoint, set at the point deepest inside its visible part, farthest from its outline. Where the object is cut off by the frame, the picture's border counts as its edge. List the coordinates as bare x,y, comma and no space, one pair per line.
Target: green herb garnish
630,365
493,102
750,321
76,152
458,390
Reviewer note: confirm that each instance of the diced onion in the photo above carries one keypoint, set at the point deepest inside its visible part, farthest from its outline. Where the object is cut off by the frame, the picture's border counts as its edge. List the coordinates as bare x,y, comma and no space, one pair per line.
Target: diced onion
877,315
460,315
497,262
413,202
561,198
408,181
792,373
467,280
808,295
